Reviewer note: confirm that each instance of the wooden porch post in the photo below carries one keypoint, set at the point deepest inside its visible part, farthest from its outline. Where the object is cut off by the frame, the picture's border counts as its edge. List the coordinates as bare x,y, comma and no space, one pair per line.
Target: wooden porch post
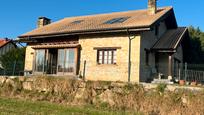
76,60
170,67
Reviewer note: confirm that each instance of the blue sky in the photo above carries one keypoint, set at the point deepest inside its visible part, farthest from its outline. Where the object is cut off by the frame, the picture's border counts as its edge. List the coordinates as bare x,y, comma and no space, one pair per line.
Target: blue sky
20,16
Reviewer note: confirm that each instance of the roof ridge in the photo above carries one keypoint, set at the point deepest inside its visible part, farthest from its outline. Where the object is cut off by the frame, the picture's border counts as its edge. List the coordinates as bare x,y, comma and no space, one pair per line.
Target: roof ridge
111,13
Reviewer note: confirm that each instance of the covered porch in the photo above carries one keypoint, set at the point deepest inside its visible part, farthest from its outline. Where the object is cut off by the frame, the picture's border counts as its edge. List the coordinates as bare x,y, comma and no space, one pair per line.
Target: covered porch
56,59
168,52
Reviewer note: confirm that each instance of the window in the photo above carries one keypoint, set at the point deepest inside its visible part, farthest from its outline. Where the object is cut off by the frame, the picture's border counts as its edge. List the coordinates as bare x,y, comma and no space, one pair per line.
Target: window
40,60
66,60
55,61
77,21
107,56
117,20
61,56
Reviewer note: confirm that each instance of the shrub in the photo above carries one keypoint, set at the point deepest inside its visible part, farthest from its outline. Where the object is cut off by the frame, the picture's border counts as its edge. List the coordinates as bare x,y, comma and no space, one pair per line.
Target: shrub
129,86
161,88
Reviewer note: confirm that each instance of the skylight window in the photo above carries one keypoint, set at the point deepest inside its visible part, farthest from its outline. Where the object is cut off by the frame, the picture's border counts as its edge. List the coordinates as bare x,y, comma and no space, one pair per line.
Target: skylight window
77,21
116,20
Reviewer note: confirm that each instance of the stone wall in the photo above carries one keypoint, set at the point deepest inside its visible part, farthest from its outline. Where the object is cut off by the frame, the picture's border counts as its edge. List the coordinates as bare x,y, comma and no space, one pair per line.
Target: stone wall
29,56
140,72
117,72
93,71
147,98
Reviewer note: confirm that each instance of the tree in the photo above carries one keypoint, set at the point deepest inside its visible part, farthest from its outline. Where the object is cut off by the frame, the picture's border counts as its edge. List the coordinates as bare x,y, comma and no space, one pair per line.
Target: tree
12,62
193,47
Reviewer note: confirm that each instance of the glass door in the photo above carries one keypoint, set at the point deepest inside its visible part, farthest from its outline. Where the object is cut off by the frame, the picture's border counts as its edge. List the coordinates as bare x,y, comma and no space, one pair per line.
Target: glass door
40,61
52,61
66,62
60,65
69,62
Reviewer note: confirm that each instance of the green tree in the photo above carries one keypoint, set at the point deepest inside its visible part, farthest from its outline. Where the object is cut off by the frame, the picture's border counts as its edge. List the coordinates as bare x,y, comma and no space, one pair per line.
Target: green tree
12,62
193,47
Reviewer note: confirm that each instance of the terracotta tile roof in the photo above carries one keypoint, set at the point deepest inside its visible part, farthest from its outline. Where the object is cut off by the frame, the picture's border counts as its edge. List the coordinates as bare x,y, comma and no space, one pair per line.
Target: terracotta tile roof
3,42
171,39
136,19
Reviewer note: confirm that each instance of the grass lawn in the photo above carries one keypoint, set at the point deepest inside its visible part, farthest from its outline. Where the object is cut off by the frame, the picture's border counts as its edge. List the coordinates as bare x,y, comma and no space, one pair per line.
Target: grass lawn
21,107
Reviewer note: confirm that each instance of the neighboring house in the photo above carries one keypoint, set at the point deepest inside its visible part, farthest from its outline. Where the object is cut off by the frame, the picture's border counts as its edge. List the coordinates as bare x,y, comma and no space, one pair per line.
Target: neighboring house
131,46
6,45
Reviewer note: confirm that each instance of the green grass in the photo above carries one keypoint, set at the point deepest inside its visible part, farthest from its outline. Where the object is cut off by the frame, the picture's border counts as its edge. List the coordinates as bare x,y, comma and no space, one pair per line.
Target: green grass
22,107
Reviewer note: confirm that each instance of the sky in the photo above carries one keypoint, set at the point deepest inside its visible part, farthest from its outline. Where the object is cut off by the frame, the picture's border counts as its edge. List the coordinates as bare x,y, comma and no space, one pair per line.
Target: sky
20,16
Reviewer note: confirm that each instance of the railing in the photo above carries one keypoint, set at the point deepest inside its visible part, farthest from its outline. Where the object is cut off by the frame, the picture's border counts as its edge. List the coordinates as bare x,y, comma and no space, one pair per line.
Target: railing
188,72
193,75
12,69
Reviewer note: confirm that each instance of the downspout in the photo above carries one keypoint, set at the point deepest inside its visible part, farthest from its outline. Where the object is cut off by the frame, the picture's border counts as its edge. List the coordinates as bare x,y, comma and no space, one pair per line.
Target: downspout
129,53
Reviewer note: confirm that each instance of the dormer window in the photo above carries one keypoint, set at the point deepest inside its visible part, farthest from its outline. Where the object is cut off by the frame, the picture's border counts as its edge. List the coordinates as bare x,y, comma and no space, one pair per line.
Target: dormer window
77,21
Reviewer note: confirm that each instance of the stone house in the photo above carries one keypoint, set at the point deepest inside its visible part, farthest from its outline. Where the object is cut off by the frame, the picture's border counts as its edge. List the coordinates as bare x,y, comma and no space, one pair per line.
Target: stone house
134,46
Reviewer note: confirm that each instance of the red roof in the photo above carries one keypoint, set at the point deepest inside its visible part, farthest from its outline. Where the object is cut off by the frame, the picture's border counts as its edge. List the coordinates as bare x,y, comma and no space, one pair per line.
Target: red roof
4,41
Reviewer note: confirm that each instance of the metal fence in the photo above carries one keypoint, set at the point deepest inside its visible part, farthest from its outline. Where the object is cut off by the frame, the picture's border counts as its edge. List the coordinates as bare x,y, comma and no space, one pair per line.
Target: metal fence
187,72
193,72
12,69
193,75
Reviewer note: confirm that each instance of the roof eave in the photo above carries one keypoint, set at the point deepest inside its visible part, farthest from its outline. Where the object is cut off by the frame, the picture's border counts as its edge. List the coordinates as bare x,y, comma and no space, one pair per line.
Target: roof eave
164,50
181,38
110,30
169,13
10,41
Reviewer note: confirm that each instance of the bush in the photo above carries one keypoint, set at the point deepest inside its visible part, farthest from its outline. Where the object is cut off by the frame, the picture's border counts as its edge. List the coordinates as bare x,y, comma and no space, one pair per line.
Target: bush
161,88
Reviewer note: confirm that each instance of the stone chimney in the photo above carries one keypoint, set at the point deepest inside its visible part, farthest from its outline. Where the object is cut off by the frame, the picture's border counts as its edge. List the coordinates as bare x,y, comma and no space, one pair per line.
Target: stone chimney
42,21
152,7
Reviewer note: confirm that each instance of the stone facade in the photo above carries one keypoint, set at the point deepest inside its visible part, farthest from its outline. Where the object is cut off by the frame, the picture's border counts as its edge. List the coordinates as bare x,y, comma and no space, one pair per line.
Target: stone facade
140,70
29,57
93,71
152,7
117,72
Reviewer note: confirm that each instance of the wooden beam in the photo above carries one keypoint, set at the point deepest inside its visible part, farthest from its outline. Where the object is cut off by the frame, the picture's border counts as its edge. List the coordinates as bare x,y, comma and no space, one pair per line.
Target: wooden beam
76,51
104,48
